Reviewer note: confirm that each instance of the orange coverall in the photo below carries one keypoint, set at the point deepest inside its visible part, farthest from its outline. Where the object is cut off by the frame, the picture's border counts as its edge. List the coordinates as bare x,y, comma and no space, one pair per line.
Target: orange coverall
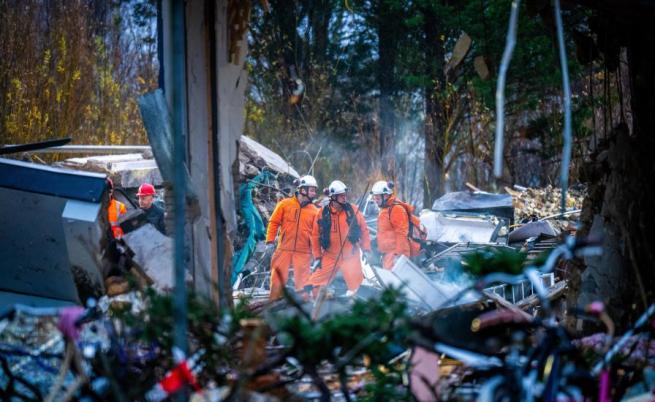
393,230
293,247
349,261
115,210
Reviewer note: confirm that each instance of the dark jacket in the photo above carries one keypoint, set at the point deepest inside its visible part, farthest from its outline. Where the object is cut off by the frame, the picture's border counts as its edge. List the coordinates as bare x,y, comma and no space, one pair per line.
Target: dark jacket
155,215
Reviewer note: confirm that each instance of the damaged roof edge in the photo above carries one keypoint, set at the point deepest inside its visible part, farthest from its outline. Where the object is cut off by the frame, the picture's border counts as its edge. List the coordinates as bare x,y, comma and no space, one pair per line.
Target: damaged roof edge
271,158
82,186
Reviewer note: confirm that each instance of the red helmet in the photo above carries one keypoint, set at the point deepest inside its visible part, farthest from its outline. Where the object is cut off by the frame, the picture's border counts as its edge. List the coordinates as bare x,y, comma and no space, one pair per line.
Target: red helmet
146,189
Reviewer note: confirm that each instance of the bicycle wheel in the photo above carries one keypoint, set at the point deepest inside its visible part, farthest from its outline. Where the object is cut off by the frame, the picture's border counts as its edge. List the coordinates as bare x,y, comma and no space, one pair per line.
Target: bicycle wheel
498,389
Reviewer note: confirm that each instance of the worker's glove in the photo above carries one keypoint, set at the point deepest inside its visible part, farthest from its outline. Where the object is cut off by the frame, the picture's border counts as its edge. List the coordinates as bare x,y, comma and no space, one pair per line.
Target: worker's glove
316,265
270,248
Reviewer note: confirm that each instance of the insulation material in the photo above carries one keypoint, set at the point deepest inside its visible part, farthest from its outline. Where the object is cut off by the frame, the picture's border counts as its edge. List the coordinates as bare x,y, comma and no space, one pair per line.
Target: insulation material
449,228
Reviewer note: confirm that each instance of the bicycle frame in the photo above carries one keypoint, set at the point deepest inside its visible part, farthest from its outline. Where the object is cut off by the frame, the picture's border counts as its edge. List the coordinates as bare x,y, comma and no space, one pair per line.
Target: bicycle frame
538,373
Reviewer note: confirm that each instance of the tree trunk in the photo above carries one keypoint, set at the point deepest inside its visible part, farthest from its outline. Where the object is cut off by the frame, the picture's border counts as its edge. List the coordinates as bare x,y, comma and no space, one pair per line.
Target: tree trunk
388,33
622,195
319,13
433,126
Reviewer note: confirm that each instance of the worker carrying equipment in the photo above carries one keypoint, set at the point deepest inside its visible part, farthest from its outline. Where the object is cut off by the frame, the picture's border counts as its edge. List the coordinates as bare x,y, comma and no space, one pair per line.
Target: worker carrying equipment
115,210
293,217
400,232
339,234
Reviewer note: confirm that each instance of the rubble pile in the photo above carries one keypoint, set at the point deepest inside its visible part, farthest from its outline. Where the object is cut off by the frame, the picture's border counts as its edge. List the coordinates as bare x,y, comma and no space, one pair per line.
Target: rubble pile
127,171
256,160
544,202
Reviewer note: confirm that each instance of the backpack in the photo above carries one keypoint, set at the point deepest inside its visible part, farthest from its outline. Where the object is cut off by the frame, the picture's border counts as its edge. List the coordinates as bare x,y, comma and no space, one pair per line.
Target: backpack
417,232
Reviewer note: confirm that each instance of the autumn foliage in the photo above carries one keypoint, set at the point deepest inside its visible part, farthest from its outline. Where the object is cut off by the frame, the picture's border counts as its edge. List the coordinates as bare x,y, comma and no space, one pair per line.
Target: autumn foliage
74,68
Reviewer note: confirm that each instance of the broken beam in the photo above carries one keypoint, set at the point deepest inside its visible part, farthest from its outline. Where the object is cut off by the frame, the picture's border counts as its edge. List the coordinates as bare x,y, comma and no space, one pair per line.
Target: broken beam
553,293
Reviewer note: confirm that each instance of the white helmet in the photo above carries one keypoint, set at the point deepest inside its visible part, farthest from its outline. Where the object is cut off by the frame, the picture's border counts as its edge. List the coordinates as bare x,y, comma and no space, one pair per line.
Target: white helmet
306,181
382,187
336,187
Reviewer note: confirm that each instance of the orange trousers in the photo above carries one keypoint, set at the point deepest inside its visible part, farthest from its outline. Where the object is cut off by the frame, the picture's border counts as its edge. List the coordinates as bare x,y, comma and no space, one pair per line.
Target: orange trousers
281,261
350,266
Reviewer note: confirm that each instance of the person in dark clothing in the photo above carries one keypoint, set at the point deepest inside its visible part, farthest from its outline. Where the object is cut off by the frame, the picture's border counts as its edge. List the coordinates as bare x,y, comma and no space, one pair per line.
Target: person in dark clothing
153,212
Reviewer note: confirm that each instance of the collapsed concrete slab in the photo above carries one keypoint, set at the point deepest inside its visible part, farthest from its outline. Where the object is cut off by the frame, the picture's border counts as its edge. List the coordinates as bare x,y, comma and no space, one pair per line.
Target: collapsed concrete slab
252,154
418,287
153,252
126,170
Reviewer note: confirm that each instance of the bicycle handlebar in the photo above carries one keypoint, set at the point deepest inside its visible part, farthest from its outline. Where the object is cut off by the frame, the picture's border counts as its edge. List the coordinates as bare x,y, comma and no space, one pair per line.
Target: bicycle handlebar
642,321
568,249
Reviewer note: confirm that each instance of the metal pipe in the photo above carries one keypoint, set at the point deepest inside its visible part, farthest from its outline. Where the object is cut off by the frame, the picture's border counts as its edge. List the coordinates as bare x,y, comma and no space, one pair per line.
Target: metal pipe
566,151
93,149
571,212
500,88
178,95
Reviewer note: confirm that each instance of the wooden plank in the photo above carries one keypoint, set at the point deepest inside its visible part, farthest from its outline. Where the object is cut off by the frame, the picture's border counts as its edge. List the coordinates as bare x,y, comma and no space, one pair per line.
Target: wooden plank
553,293
232,80
199,145
472,187
505,304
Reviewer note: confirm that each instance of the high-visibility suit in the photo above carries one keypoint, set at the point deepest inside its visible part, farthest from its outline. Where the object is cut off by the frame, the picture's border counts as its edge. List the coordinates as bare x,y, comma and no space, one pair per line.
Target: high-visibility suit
115,210
393,233
293,247
334,257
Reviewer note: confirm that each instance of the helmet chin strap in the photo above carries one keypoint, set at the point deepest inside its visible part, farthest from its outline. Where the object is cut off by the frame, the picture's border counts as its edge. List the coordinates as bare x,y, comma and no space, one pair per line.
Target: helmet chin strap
384,198
305,194
335,199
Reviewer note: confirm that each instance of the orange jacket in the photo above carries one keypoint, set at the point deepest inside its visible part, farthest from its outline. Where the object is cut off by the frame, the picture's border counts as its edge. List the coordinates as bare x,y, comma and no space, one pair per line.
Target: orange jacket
294,223
393,229
115,210
338,234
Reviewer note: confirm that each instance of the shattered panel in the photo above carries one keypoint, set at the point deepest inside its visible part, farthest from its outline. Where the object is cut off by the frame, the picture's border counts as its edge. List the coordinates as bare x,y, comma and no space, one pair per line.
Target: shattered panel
450,228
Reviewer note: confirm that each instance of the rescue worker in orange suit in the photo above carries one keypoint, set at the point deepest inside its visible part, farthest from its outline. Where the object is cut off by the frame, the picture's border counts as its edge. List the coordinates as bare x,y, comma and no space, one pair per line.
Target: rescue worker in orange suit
115,210
338,237
393,237
293,218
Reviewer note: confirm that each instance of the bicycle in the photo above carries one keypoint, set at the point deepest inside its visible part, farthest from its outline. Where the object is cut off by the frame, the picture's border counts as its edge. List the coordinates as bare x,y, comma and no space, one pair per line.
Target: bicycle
72,355
546,370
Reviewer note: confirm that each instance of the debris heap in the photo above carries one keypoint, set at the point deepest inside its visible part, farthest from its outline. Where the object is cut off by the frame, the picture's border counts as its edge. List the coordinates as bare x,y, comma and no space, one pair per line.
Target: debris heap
544,202
270,176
